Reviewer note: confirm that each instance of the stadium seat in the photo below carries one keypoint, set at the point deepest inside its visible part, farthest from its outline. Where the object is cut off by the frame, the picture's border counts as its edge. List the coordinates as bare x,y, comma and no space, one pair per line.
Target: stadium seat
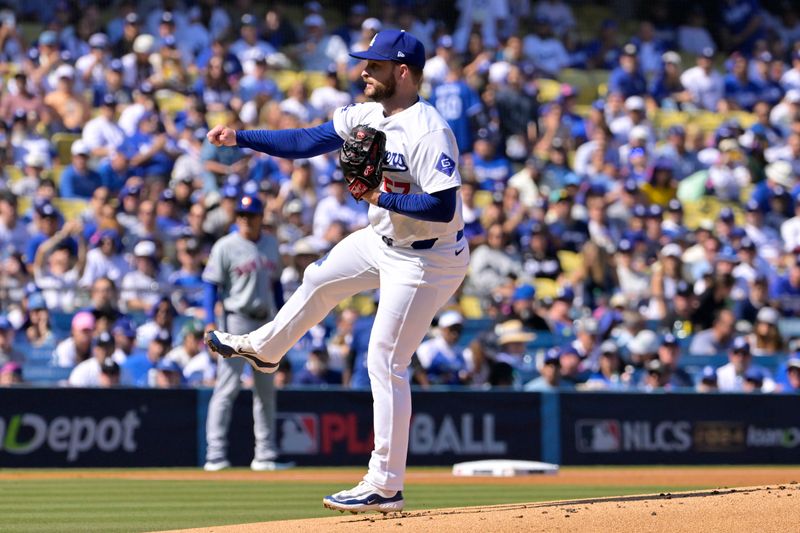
13,172
71,208
471,307
570,261
63,143
545,288
483,198
170,101
548,89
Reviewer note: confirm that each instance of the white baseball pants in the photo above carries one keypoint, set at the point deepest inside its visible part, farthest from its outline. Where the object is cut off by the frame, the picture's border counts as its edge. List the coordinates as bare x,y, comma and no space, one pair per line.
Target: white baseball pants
413,284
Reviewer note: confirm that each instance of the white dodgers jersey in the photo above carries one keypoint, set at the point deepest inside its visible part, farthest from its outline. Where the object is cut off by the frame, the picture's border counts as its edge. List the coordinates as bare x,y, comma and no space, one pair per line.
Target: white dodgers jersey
421,156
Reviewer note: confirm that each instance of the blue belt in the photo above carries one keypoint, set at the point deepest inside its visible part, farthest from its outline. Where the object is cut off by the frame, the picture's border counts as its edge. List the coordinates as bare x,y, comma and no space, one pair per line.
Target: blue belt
427,244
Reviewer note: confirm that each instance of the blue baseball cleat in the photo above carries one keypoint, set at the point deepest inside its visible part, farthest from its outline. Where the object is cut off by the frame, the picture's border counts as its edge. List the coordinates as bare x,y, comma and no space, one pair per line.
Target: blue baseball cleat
228,345
364,497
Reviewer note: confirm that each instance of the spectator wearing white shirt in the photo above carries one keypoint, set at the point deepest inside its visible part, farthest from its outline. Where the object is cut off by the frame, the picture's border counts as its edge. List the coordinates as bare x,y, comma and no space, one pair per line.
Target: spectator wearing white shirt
191,345
693,37
327,98
544,50
790,230
141,289
102,135
791,78
91,67
490,17
337,205
789,152
782,115
437,68
77,347
319,50
558,14
137,67
249,47
705,84
731,377
105,260
87,373
57,267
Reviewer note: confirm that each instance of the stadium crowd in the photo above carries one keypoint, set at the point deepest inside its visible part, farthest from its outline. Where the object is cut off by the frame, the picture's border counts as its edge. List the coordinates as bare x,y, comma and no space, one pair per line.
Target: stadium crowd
630,189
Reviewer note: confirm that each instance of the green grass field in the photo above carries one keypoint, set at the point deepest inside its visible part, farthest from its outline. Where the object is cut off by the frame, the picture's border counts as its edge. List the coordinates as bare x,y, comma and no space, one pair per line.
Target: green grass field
125,505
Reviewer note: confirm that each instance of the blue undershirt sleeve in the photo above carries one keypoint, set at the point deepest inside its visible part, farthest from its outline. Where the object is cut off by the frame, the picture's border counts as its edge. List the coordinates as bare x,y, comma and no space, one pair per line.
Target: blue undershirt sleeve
436,207
292,144
209,301
277,291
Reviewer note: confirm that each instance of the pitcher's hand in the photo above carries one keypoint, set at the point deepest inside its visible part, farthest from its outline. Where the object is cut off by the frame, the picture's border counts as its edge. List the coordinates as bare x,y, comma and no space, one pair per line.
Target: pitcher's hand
222,136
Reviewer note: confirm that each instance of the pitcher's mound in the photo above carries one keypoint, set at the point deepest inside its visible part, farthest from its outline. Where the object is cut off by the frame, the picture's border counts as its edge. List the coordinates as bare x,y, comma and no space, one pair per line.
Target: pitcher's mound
771,508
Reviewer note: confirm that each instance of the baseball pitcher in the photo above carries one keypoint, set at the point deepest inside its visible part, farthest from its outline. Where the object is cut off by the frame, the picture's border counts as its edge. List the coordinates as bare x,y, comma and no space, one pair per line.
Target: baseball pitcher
399,155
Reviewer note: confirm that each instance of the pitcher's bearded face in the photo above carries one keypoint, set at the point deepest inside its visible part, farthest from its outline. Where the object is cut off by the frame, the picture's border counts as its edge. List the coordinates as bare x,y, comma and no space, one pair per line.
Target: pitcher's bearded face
379,77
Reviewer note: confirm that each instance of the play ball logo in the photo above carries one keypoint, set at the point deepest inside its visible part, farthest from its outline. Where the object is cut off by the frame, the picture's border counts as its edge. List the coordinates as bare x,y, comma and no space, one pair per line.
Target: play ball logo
27,433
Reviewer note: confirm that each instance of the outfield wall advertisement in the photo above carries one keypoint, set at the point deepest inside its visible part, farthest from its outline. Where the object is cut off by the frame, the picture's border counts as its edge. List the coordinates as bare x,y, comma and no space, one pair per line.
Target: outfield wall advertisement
679,429
136,427
83,427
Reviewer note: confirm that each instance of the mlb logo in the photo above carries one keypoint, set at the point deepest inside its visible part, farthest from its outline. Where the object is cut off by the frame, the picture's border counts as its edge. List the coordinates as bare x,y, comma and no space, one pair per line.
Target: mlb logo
598,436
297,433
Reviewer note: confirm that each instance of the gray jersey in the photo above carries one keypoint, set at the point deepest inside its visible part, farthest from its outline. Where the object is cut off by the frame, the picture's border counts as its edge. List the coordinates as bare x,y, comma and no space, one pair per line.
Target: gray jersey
244,271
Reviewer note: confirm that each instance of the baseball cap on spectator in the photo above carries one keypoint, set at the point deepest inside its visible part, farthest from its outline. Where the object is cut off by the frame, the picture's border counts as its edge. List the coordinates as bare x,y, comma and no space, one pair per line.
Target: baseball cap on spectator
655,211
48,38
314,20
163,337
727,255
634,103
747,244
293,207
124,326
131,18
79,148
5,323
707,53
726,215
65,71
47,209
304,246
146,88
109,100
793,362
740,345
639,211
754,375
780,172
645,342
83,321
170,42
130,190
708,375
624,246
752,206
109,367
599,105
450,318
98,40
36,302
394,45
630,49
168,365
672,250
565,294
512,333
793,96
609,347
638,133
167,17
250,188
167,195
768,315
552,356
145,249
248,20
671,57
230,191
143,44
192,327
249,205
523,292
655,367
103,339
674,206
34,159
116,65
631,186
372,24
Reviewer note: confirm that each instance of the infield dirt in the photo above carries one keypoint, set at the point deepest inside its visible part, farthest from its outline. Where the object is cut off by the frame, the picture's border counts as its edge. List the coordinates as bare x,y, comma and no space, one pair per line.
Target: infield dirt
769,508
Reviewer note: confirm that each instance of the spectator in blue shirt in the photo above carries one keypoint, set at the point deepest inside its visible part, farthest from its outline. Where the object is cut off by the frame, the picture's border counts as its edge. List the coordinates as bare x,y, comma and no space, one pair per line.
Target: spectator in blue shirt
742,24
78,180
150,151
316,370
627,79
137,368
492,170
740,91
459,104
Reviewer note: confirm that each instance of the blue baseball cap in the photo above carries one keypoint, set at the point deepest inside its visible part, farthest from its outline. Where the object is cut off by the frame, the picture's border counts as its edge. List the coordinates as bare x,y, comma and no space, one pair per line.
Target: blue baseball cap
553,355
740,344
394,45
5,323
36,302
168,365
125,327
523,292
250,205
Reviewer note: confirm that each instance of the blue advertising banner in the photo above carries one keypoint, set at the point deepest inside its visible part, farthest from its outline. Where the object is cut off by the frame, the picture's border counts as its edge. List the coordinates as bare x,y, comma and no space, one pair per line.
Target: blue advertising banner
679,428
334,428
86,427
